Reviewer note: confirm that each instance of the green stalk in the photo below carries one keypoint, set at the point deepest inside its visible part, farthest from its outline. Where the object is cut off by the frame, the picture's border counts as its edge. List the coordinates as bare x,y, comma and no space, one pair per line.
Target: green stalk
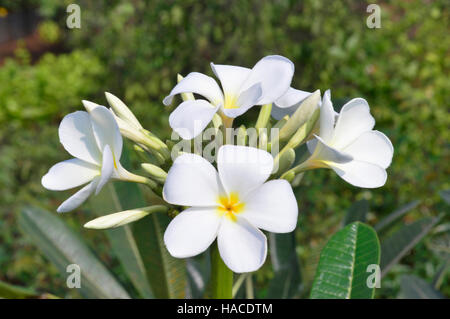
221,276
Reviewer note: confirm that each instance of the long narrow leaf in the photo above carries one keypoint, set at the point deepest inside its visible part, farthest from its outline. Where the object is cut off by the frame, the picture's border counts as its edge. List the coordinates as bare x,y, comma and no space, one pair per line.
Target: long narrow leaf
287,280
413,287
63,247
357,212
402,241
388,220
343,265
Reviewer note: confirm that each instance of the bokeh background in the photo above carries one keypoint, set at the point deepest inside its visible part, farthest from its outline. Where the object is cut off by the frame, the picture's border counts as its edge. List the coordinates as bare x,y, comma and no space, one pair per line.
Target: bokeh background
134,49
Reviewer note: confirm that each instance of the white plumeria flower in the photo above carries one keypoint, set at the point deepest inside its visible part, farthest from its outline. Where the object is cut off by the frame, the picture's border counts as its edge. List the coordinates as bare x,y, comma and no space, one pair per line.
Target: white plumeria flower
348,145
230,204
288,103
242,88
93,138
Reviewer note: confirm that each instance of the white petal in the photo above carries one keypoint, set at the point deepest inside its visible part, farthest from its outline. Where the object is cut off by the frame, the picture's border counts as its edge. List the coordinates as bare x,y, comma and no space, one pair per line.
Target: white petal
243,247
272,207
311,145
327,153
354,119
274,73
107,168
197,83
116,219
231,77
361,174
278,112
242,168
69,174
191,117
77,137
106,130
245,101
326,117
79,197
372,147
192,181
292,97
192,231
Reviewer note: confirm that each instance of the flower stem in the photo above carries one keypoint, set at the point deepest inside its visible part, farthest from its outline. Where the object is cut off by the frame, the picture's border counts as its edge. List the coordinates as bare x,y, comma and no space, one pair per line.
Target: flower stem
221,276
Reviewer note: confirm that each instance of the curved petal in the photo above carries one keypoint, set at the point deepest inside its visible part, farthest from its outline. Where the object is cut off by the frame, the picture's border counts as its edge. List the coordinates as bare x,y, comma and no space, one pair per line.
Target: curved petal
372,147
77,137
192,231
197,83
106,130
272,207
291,97
107,168
275,73
245,101
192,181
326,117
326,153
242,168
243,248
231,77
191,117
354,119
69,174
278,112
79,197
361,174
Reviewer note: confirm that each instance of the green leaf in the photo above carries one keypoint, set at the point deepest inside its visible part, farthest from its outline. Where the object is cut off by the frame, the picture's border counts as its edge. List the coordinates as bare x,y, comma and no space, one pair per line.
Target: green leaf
167,275
357,212
413,287
122,239
402,241
9,291
63,247
440,274
445,194
198,274
388,220
342,270
287,276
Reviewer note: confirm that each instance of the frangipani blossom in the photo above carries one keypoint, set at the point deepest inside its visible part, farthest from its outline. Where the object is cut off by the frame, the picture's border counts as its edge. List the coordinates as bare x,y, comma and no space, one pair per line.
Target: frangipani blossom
288,103
349,145
230,204
93,138
242,88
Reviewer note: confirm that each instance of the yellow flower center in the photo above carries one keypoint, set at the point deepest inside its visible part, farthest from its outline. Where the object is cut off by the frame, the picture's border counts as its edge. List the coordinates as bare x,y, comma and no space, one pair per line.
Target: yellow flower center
230,101
230,206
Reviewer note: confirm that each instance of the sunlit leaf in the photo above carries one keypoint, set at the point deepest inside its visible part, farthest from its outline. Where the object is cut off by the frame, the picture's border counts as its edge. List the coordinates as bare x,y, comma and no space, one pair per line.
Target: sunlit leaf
342,270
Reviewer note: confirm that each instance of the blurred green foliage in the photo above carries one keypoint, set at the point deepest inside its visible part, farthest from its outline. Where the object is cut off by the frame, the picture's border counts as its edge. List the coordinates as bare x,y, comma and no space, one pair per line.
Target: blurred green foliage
135,49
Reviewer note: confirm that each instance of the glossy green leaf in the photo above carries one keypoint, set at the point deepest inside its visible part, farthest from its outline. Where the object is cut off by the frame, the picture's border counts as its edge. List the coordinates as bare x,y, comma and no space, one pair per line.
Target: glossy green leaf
342,270
63,247
413,287
357,212
122,239
287,276
198,271
388,220
402,241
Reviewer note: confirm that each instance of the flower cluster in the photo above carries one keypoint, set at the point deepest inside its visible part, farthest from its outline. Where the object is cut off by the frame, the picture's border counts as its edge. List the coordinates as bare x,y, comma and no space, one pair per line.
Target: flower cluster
247,187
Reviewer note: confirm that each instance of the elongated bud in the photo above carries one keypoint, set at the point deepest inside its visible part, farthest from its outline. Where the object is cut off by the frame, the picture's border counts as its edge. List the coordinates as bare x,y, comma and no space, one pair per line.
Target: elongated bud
124,217
264,116
289,176
241,138
303,132
297,180
122,111
89,106
301,116
185,96
285,161
156,173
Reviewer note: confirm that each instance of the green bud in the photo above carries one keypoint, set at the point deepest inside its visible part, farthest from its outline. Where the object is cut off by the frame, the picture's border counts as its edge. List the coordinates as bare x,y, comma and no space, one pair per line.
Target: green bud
155,172
301,116
284,161
242,136
264,116
304,131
